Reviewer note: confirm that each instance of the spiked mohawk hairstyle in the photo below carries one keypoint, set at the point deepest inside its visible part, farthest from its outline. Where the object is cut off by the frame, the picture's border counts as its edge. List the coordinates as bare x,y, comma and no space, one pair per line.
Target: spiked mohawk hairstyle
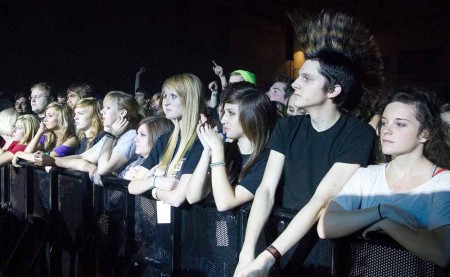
348,56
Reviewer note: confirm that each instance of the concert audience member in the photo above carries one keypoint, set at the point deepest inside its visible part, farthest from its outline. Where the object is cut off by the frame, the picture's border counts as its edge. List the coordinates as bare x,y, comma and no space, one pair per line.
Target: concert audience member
175,155
21,105
236,168
293,110
77,91
280,90
320,151
88,122
24,130
148,132
8,118
55,137
41,96
407,196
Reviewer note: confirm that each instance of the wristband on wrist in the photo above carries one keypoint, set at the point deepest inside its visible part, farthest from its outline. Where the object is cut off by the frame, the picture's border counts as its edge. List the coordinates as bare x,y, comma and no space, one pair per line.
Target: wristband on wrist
212,165
274,252
155,193
109,135
379,212
154,181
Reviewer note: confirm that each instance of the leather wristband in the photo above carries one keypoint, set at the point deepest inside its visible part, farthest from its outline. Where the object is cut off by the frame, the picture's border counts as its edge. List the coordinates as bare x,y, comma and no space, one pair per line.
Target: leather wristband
275,253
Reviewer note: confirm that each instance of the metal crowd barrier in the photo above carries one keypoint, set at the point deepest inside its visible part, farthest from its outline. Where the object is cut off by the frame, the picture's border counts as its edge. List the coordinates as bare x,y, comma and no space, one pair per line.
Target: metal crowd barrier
58,223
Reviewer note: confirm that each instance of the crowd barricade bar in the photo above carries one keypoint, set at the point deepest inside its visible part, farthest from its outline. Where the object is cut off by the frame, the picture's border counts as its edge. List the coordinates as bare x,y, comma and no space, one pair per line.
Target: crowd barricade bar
310,257
105,230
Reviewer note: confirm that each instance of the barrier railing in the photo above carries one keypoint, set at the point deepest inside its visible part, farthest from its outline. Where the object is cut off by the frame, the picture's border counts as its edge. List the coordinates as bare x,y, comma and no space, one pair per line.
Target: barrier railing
70,227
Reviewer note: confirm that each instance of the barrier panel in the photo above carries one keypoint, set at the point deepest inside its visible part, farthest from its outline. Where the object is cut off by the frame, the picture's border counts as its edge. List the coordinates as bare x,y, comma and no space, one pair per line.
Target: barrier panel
210,240
70,227
380,256
311,257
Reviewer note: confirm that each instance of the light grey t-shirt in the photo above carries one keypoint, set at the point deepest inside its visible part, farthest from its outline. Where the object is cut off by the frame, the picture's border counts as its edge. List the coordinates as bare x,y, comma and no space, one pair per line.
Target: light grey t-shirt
429,203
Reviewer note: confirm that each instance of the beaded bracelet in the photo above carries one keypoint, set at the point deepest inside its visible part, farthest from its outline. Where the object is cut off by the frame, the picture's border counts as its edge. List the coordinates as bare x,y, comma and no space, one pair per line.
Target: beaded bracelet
109,135
212,165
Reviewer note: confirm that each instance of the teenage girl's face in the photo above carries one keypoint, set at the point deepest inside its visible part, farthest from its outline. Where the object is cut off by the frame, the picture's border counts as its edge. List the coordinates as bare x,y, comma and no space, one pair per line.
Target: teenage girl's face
51,119
399,133
230,121
82,119
172,106
142,140
18,132
110,113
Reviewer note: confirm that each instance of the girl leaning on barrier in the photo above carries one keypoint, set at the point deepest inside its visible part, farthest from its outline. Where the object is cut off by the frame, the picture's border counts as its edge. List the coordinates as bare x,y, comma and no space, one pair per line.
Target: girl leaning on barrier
148,132
236,168
169,167
24,130
55,136
88,122
120,115
408,197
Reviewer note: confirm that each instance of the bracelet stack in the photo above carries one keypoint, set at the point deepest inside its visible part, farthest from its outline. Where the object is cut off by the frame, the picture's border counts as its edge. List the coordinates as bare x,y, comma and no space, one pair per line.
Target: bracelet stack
109,135
212,165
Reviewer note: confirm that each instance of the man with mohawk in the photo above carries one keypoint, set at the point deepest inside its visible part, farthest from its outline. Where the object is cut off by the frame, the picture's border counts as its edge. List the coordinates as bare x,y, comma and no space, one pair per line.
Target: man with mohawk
320,151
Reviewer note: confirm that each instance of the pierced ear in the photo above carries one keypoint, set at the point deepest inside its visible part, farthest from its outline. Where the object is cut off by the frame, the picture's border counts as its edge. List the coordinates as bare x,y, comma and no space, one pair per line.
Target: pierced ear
423,137
335,91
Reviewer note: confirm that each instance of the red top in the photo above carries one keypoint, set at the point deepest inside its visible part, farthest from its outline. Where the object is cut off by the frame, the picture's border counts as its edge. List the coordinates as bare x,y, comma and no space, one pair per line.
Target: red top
15,147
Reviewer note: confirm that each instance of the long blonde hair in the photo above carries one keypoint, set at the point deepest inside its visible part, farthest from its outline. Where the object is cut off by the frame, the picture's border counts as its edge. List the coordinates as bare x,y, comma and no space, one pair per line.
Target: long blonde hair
65,125
126,101
189,89
30,127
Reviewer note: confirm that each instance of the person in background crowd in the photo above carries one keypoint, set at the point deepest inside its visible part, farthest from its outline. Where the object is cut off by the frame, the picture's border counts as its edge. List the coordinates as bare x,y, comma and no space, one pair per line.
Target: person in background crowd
175,155
77,91
280,90
148,132
55,137
8,118
24,130
407,197
21,105
236,168
445,114
320,151
41,96
62,97
120,114
293,110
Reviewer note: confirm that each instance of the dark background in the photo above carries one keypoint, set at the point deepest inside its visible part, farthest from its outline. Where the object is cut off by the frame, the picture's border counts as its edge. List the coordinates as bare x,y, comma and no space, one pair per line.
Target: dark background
104,42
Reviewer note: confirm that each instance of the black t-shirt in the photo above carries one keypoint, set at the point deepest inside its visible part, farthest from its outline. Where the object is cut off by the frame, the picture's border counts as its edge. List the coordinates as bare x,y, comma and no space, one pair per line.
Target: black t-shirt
187,164
309,154
82,146
253,178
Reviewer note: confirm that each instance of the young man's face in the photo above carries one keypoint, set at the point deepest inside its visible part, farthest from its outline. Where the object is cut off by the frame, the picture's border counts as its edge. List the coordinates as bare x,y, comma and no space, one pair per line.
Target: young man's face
309,86
21,105
72,99
277,93
39,101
